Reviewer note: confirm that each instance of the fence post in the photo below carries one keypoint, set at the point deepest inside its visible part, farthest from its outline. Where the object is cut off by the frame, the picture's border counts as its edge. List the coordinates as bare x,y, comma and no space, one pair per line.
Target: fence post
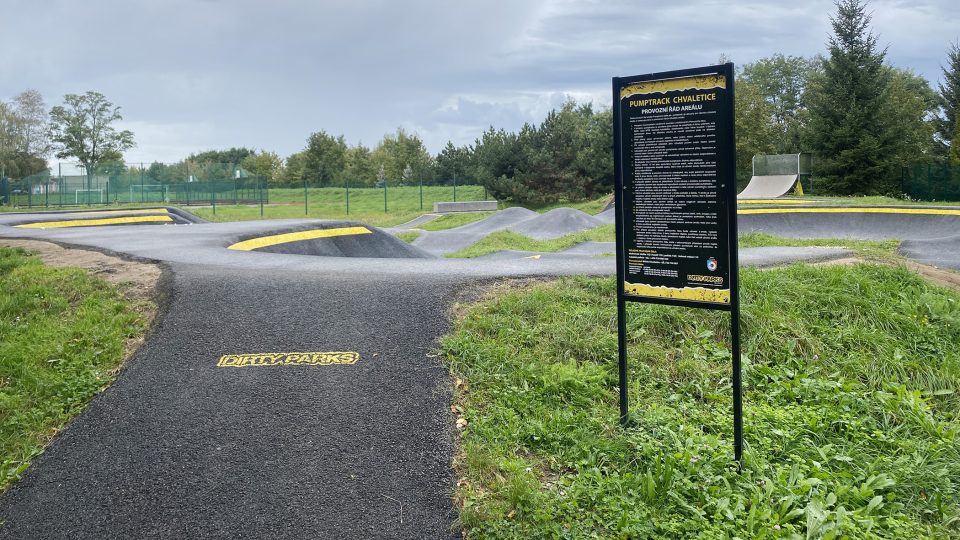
213,201
421,192
454,187
260,185
384,195
305,210
347,182
142,199
30,194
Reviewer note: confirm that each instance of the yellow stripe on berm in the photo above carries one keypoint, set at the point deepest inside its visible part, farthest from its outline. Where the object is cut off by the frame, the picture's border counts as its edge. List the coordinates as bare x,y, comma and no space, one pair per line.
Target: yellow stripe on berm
851,210
95,222
264,241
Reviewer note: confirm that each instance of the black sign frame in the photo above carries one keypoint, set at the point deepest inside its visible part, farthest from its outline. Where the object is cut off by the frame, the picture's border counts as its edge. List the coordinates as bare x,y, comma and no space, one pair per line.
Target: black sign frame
726,183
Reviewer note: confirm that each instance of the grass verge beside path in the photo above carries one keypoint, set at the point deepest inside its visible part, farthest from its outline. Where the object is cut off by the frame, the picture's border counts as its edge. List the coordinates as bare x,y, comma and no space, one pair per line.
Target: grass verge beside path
507,240
64,336
449,221
407,236
852,411
504,240
869,249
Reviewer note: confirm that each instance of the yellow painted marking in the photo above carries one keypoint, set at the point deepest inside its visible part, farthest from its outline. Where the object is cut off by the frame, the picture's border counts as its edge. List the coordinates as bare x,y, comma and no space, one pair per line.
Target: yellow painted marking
94,222
264,241
848,210
289,359
697,294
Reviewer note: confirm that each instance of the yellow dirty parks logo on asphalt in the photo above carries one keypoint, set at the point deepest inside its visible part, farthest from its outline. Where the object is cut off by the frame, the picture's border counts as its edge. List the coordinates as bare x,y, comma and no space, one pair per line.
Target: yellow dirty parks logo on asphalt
288,359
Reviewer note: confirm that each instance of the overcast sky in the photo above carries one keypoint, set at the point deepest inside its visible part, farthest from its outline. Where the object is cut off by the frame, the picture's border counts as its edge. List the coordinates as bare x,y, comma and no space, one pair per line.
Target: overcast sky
194,75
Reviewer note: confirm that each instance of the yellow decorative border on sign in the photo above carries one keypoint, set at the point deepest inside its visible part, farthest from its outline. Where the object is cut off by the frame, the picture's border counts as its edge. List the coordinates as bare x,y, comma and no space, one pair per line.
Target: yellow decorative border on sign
700,82
289,359
694,294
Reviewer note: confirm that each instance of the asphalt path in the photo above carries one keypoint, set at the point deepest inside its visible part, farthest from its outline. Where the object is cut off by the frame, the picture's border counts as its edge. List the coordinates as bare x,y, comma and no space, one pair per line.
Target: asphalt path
179,448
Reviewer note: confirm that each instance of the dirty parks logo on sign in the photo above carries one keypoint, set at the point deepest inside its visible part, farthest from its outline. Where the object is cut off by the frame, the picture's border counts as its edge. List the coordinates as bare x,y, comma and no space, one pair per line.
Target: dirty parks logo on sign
288,359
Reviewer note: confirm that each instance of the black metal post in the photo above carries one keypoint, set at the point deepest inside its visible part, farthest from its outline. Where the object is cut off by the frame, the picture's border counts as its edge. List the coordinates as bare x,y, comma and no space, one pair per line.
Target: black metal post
618,203
260,186
622,352
347,181
733,248
384,195
454,187
421,193
305,210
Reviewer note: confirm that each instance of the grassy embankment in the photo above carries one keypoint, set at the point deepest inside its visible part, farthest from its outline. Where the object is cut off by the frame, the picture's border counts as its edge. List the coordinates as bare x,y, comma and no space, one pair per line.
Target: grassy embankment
366,204
507,240
64,335
852,404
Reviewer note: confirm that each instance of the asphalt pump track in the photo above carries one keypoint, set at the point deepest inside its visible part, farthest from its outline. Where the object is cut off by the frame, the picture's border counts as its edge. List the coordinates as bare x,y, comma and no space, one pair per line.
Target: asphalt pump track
279,394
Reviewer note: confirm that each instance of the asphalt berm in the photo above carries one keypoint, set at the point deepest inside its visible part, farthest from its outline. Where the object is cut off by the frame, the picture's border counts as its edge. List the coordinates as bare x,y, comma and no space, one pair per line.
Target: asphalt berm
114,217
330,239
556,223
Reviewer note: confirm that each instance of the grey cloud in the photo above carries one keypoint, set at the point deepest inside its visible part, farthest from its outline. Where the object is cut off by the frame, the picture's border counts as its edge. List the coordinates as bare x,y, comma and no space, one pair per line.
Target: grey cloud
192,75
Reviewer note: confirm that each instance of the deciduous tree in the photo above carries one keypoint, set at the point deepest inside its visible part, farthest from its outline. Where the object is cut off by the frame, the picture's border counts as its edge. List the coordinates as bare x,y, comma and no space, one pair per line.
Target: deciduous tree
756,130
398,150
782,81
324,159
83,128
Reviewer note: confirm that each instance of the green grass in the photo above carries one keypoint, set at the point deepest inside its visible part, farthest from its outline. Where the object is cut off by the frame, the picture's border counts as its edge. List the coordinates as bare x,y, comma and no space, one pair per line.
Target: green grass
366,204
449,221
246,213
63,339
852,411
507,240
408,236
592,206
504,240
871,249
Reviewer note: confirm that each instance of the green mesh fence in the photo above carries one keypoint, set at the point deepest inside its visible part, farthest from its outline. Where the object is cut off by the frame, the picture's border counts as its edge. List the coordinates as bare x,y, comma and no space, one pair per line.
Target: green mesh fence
154,184
780,164
932,182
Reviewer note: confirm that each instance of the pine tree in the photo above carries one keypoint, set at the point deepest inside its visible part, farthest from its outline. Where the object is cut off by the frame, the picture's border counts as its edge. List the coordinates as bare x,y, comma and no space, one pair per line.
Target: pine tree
949,98
848,130
954,156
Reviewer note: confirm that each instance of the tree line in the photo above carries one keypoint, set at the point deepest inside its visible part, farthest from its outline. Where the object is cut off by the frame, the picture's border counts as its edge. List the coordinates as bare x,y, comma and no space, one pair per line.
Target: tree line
862,119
